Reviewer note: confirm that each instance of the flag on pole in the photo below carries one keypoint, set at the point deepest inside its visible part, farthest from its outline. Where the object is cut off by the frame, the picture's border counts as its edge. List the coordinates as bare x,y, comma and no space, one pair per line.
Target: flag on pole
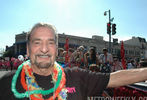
66,48
123,55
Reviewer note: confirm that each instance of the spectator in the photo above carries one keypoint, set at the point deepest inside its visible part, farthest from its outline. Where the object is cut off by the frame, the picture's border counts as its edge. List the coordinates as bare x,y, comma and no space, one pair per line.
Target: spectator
130,64
91,59
77,57
116,65
106,61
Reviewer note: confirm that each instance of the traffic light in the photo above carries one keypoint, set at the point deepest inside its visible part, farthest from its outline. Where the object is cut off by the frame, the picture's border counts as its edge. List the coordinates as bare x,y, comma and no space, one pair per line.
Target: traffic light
109,28
113,29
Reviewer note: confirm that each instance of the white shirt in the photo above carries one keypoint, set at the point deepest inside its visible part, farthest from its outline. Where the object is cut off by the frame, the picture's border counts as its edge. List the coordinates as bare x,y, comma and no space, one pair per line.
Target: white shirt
106,58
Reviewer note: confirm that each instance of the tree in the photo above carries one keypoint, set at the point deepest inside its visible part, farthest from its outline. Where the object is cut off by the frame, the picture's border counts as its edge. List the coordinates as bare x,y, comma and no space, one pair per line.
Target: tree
8,53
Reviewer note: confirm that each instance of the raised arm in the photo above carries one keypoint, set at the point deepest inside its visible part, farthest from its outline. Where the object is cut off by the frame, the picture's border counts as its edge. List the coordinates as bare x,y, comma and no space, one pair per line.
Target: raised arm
125,77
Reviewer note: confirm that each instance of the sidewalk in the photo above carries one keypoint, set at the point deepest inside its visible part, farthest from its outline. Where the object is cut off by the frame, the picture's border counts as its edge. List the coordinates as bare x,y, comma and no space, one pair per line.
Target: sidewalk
3,72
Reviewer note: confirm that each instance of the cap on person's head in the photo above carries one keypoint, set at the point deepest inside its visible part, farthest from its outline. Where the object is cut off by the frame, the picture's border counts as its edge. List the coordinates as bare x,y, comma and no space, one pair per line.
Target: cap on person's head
61,49
105,49
81,48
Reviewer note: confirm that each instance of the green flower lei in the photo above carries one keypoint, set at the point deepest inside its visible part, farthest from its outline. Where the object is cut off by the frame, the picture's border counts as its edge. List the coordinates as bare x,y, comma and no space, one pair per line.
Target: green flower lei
27,93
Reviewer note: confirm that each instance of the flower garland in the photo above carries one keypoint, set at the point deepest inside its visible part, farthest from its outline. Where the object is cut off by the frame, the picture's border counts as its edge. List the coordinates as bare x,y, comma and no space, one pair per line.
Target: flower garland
32,88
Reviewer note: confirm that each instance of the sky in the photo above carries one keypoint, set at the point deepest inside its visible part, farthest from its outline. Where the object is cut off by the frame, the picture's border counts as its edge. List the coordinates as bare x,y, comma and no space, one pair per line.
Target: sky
82,18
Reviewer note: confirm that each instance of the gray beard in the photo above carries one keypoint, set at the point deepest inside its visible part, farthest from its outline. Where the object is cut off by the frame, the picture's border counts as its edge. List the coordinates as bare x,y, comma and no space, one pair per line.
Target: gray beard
43,65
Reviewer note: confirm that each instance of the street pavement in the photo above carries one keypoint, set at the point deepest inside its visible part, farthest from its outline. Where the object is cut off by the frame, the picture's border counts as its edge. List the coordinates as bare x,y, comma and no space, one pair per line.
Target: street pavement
3,72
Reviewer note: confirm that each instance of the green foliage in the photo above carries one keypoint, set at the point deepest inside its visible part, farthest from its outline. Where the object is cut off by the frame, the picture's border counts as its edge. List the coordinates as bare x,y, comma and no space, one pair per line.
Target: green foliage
8,53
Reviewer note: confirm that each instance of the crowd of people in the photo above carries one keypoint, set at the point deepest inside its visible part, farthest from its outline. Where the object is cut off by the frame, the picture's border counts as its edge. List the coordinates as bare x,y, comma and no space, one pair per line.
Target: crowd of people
11,63
91,59
83,58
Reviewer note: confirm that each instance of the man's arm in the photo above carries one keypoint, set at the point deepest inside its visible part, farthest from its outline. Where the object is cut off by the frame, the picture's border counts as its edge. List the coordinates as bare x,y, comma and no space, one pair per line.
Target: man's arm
125,77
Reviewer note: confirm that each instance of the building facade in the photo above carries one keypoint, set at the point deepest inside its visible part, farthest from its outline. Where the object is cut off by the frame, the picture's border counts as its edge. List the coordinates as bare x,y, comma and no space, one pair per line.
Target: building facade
20,44
134,48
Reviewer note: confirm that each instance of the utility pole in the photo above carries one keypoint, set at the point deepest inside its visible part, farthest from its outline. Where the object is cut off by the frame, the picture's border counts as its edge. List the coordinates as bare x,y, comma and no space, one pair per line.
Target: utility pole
109,27
110,33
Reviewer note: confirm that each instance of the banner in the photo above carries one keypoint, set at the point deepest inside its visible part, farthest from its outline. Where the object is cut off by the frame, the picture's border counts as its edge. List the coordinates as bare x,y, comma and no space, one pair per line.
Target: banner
123,55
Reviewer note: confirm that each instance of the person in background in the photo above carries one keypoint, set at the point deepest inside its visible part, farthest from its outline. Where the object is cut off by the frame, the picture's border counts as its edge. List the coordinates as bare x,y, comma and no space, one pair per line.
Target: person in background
130,64
143,63
60,57
70,52
91,60
116,65
106,61
77,57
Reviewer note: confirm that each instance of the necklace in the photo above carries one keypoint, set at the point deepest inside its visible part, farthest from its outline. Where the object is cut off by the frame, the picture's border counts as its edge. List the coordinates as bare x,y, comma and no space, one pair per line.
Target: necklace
34,91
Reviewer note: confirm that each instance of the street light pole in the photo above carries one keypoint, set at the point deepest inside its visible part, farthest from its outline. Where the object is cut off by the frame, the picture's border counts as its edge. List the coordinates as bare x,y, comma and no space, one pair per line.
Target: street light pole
110,20
109,16
110,33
